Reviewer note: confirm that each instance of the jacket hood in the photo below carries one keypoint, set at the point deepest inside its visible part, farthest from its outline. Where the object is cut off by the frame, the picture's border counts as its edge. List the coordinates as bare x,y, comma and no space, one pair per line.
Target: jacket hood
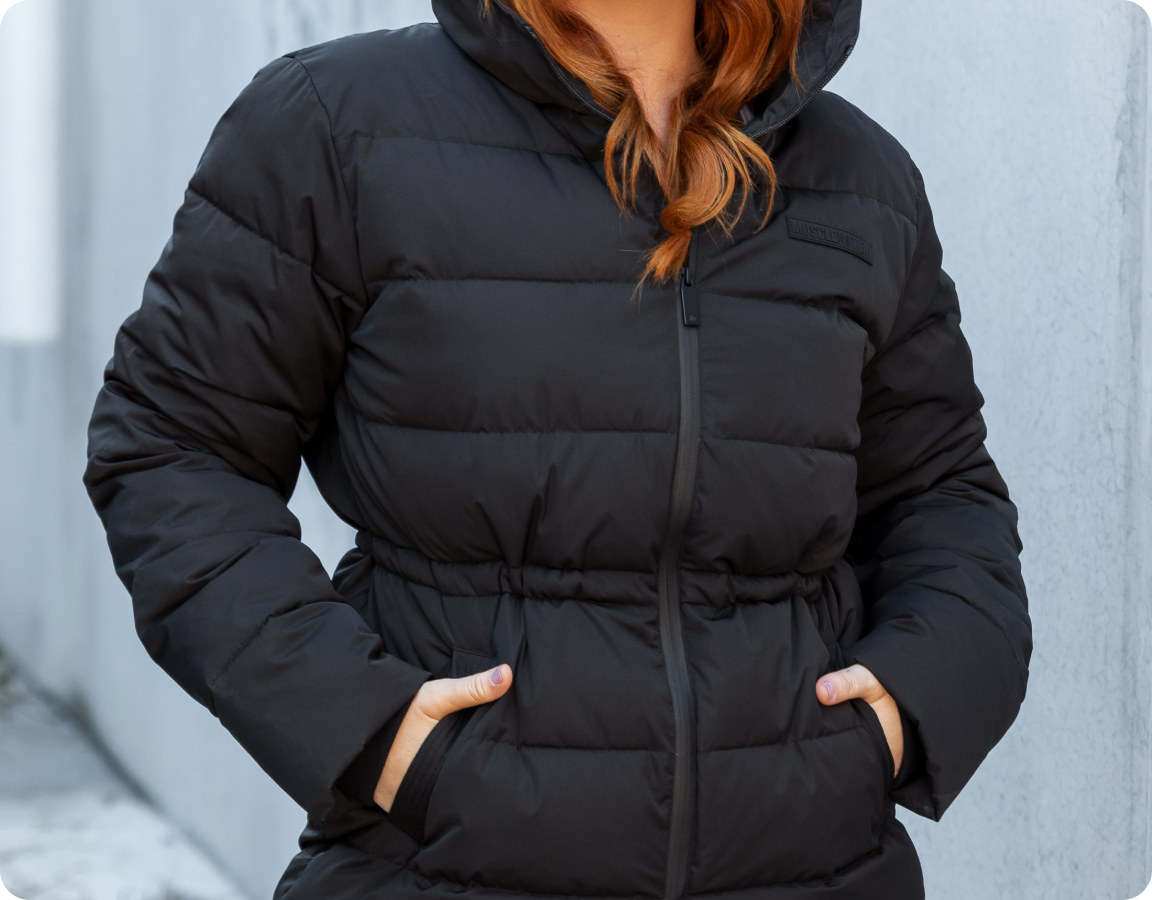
508,48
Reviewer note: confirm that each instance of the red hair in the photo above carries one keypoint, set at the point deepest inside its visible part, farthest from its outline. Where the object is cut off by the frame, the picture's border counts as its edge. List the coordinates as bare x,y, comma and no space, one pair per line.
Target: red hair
708,161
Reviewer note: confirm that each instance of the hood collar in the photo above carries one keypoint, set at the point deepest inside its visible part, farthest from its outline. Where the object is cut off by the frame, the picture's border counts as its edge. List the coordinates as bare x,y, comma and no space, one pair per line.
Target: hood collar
508,48
827,40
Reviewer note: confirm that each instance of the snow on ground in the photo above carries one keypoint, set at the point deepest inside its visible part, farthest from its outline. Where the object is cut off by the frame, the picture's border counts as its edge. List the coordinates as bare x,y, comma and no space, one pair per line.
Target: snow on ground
71,830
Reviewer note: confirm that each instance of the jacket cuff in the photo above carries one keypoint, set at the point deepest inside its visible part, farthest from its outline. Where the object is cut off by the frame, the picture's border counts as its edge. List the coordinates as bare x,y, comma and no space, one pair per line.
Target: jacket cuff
957,681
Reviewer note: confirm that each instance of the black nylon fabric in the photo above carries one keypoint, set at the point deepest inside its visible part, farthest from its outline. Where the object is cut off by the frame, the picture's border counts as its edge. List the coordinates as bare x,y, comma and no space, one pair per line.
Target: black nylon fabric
398,259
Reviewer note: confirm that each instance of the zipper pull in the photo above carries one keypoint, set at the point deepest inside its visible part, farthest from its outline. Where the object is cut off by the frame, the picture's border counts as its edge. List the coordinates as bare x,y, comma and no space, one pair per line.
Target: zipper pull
689,298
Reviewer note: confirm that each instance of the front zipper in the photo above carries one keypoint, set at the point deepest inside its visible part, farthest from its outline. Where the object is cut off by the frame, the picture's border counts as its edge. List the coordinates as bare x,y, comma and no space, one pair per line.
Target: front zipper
683,489
668,579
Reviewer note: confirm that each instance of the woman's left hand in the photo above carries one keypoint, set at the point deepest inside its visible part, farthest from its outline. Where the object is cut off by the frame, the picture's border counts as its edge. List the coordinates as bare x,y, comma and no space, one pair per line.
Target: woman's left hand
857,681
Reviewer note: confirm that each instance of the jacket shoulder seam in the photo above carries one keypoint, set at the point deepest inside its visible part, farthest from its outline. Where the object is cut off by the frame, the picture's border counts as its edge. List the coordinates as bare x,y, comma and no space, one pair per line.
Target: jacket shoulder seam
240,223
340,170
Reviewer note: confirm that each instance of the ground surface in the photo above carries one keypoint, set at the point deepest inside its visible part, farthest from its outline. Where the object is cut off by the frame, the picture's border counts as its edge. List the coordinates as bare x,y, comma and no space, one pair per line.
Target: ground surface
70,829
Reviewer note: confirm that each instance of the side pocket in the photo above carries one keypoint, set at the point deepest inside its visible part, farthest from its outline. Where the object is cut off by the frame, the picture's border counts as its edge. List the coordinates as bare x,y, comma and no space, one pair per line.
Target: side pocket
876,730
410,808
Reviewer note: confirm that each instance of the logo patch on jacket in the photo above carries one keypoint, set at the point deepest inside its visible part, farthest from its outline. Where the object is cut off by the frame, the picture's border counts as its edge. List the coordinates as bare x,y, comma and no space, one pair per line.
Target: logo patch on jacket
830,237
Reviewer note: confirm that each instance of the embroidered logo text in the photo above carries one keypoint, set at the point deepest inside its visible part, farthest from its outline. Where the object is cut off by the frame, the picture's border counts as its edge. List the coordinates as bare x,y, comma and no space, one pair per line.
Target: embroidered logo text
830,237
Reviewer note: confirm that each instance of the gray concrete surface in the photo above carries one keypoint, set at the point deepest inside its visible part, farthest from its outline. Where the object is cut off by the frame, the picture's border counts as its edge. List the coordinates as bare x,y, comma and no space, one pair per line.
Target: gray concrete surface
1030,122
71,829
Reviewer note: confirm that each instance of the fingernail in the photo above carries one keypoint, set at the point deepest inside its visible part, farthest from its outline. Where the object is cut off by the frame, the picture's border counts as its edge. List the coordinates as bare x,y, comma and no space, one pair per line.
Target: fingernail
498,675
831,689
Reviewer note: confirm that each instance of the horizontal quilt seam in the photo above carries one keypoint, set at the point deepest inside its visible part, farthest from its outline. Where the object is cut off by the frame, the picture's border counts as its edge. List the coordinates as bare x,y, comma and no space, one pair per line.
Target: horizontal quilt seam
350,136
786,743
551,747
590,431
734,440
493,279
526,432
760,746
816,190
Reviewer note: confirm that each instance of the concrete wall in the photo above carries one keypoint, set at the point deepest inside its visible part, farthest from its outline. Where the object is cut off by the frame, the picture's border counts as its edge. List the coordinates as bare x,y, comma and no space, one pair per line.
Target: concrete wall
144,82
1029,121
30,308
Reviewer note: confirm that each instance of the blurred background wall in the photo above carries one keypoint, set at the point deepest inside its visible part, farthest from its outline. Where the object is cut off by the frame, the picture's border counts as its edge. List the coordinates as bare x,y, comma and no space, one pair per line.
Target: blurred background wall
1030,123
116,101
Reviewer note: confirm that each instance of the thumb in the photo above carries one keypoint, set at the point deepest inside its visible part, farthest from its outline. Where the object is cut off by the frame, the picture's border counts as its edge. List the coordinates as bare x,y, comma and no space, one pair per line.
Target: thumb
448,695
848,684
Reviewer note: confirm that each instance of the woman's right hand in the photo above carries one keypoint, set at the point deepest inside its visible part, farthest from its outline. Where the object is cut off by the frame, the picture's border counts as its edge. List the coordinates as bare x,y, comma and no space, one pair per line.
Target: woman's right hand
434,701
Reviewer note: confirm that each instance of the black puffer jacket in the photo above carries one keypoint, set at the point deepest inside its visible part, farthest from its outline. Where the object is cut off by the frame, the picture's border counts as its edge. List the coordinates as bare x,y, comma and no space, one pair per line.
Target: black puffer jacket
398,258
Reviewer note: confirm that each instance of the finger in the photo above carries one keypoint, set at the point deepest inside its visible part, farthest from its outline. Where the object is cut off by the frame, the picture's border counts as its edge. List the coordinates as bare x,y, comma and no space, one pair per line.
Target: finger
449,695
848,684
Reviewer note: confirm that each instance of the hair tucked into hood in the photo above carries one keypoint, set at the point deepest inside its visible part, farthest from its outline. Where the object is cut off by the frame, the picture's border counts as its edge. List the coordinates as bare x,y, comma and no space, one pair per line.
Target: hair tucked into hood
772,53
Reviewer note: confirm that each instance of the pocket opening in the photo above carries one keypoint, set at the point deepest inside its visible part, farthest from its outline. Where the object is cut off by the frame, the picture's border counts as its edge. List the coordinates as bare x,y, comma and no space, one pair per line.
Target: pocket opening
410,808
876,731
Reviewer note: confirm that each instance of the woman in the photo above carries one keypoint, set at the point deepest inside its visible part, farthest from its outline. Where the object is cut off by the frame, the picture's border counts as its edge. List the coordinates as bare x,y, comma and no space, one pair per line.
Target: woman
627,350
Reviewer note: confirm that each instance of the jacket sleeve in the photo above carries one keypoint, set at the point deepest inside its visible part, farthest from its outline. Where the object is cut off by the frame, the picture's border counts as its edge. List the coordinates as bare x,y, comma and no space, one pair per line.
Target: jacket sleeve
218,383
935,545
